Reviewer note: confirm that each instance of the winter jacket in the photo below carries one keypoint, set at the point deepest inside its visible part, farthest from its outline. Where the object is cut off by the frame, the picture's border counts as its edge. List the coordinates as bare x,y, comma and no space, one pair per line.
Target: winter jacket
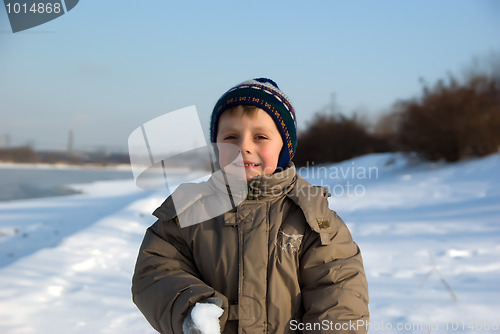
281,261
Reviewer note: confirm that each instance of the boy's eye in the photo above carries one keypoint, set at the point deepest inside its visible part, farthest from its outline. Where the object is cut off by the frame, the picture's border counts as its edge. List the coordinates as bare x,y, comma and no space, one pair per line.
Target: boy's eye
230,137
261,137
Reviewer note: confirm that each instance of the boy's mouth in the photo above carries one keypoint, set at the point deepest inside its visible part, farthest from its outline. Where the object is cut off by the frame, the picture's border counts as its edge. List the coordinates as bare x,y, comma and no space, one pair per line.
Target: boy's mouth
247,164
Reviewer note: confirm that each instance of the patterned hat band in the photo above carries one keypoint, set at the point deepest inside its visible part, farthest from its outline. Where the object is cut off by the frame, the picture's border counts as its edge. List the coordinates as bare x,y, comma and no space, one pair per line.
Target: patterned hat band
264,94
274,92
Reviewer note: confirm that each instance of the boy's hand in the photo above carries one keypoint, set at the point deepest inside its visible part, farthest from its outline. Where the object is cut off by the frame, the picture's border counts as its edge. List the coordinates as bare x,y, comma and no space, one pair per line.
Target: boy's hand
204,317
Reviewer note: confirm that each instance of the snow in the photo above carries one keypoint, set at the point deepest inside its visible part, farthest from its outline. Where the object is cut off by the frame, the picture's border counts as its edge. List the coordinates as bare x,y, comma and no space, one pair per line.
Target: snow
78,279
64,166
206,317
429,234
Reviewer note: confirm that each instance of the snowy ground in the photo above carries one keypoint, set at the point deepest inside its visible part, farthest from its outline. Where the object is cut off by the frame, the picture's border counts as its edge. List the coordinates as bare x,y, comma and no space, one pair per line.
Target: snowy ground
429,233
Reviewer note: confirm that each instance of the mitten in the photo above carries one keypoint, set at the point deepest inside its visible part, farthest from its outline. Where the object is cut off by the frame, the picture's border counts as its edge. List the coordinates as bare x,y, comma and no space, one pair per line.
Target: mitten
204,317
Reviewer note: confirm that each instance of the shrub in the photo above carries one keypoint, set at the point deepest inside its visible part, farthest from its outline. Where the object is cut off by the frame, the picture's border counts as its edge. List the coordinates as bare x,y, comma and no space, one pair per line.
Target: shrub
18,154
335,137
452,120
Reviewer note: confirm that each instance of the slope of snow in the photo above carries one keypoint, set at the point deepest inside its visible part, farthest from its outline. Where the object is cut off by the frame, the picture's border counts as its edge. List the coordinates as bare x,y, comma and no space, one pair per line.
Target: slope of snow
429,234
430,238
78,280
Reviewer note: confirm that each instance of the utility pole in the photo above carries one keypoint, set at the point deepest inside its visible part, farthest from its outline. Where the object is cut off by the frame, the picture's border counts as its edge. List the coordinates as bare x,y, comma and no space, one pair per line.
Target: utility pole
70,142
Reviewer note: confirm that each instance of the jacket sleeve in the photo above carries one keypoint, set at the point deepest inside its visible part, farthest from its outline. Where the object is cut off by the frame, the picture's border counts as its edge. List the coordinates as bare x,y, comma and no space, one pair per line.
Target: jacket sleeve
333,282
166,283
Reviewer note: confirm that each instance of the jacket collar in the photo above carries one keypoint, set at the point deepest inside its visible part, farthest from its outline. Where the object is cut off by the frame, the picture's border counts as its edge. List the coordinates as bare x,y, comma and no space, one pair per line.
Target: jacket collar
220,185
271,186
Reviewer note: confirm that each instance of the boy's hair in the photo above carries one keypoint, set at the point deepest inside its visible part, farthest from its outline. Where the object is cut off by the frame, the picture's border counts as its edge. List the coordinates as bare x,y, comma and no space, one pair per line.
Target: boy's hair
246,109
264,94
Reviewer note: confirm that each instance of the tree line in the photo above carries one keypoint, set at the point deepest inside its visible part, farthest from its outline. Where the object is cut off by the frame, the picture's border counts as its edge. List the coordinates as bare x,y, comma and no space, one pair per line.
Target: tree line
451,120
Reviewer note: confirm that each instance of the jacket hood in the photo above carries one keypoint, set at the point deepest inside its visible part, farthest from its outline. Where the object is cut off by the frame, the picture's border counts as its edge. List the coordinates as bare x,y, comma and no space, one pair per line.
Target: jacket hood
274,185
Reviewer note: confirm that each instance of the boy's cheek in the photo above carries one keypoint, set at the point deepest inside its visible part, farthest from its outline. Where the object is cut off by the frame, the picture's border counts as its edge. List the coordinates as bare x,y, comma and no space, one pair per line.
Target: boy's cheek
270,157
228,157
223,159
228,153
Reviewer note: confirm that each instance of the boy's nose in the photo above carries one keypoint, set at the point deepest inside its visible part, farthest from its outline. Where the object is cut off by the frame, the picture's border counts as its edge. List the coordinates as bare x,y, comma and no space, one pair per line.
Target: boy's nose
245,144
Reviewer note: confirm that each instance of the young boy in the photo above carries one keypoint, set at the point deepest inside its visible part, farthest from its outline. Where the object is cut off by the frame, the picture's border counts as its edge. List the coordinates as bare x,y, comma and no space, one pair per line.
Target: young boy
280,262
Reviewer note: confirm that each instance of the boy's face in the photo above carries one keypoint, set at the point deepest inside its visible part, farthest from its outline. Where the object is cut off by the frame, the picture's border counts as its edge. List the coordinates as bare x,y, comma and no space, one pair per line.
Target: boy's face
255,135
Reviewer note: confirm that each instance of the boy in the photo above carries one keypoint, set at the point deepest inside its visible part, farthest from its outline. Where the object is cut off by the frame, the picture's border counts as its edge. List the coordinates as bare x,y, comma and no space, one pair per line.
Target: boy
280,262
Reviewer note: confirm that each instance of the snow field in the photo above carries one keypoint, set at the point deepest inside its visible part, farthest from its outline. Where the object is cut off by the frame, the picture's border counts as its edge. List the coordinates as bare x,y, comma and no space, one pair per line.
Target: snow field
429,235
430,238
81,283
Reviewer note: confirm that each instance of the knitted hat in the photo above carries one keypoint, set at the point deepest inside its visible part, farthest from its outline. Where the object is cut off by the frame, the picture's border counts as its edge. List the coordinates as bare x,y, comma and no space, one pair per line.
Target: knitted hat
266,95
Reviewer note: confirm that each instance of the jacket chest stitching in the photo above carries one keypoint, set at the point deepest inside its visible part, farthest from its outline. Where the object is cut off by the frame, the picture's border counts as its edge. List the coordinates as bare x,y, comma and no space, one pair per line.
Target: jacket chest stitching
289,243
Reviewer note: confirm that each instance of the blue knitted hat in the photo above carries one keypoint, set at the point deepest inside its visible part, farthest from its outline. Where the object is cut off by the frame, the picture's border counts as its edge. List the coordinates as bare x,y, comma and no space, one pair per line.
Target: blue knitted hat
266,95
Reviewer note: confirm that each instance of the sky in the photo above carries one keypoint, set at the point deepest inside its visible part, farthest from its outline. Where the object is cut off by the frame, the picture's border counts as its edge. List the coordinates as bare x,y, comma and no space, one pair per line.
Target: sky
106,67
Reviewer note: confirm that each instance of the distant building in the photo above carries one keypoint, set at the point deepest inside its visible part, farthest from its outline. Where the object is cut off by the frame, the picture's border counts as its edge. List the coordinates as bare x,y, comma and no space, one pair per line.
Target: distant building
4,140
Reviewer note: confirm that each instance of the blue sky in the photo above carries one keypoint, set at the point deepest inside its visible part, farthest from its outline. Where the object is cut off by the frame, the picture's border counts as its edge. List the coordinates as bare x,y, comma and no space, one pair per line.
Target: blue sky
106,67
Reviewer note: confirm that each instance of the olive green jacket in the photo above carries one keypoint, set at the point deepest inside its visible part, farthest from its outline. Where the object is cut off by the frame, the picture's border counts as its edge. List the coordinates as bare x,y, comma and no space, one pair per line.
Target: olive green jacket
281,261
